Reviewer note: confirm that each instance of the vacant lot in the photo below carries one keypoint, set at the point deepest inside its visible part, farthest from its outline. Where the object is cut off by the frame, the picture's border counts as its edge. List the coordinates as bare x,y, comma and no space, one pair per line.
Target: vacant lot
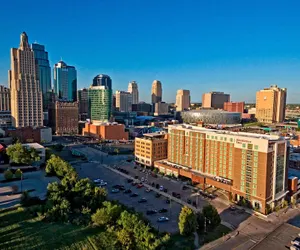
20,230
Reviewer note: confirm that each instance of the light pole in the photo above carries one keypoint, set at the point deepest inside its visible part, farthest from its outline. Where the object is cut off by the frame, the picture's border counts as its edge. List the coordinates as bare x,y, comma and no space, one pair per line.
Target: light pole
205,223
21,181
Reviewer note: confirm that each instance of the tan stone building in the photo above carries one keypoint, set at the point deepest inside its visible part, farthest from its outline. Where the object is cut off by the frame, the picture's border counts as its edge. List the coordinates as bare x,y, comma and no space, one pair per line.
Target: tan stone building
271,104
152,147
156,92
183,99
250,167
26,94
161,108
214,100
123,101
63,117
4,98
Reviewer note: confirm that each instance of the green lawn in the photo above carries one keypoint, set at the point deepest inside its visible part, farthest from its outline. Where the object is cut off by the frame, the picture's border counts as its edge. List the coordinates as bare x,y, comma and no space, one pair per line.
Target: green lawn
219,232
19,230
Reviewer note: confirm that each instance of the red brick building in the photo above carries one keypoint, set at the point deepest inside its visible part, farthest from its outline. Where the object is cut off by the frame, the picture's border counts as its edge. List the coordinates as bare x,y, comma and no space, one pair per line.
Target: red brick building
107,131
234,106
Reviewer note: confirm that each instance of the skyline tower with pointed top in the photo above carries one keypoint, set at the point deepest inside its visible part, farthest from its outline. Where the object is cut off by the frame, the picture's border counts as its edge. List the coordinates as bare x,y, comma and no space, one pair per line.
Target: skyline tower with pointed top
133,89
156,94
26,94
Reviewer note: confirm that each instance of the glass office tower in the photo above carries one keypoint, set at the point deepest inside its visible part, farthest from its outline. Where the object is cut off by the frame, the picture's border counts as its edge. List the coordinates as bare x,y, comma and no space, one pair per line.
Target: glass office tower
65,81
44,71
102,80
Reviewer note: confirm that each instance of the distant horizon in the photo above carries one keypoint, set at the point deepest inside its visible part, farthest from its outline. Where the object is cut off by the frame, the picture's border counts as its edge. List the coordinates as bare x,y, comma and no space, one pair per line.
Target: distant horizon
233,47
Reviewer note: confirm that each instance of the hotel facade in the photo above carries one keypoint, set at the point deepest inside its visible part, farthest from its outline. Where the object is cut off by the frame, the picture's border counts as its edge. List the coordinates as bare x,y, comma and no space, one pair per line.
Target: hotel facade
246,165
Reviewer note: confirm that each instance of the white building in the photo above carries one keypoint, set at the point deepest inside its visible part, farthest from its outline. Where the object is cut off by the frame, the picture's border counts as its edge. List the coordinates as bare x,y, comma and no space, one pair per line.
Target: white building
123,101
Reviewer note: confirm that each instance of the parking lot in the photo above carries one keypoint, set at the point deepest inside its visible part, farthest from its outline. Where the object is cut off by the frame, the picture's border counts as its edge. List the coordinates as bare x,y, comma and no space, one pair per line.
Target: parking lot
93,171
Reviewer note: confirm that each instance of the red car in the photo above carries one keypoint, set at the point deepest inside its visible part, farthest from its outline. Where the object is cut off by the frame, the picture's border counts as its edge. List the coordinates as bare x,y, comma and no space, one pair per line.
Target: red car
140,185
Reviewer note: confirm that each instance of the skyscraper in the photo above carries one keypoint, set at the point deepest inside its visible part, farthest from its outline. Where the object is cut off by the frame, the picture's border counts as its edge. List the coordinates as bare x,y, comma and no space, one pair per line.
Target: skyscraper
102,80
214,100
4,98
44,70
183,100
123,101
65,81
83,101
26,94
156,93
133,89
100,103
271,104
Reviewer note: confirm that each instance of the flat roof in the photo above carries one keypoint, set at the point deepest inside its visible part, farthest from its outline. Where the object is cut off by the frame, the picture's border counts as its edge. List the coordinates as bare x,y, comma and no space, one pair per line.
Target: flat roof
295,156
280,238
226,132
33,145
155,134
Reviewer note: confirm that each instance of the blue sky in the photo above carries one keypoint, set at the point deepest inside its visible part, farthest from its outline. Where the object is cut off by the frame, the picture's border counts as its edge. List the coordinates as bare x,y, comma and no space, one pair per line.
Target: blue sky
237,46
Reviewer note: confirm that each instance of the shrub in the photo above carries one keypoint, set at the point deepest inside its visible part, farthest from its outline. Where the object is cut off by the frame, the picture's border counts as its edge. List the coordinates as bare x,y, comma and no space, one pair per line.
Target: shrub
187,221
18,173
27,200
8,175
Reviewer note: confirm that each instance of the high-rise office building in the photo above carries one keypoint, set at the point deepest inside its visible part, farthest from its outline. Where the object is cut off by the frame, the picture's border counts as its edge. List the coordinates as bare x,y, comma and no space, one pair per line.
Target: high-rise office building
83,102
133,89
214,100
4,98
161,108
63,117
250,167
44,70
100,103
234,106
123,101
65,81
156,93
183,99
271,104
102,80
25,90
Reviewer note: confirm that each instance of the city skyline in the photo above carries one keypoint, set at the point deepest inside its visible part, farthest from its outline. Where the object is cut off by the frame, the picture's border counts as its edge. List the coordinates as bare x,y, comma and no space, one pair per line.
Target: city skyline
248,49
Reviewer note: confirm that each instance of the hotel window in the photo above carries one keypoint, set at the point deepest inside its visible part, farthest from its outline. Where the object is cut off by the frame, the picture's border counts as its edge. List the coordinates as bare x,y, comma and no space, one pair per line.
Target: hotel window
231,139
207,136
256,147
254,180
255,153
225,138
244,145
216,137
254,192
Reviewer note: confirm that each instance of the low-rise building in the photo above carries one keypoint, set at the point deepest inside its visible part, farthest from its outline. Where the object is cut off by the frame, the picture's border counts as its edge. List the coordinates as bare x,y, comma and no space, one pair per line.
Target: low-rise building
106,131
151,147
5,119
30,134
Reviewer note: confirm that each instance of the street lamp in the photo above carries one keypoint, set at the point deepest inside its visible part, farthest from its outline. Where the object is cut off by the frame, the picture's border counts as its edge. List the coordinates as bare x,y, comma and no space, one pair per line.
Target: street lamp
205,223
21,181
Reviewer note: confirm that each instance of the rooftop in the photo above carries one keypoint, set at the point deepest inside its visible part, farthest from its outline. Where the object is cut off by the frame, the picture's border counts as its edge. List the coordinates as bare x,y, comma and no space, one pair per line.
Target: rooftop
33,145
226,132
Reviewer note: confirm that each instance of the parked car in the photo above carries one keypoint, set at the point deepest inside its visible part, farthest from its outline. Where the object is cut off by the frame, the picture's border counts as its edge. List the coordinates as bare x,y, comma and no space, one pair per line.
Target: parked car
164,210
165,190
157,195
97,180
296,241
184,187
133,183
115,190
122,187
161,188
116,186
148,190
162,219
134,195
149,212
178,196
232,208
140,185
143,200
102,184
189,201
129,180
136,177
128,191
168,201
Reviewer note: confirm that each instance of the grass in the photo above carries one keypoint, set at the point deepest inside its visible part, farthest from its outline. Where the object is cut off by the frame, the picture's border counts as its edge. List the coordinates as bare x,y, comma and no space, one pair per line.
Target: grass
180,242
219,232
20,230
253,124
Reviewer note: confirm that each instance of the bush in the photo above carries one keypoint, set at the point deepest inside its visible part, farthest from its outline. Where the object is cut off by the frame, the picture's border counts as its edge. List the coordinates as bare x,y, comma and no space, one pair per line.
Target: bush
8,175
27,200
187,221
18,174
212,215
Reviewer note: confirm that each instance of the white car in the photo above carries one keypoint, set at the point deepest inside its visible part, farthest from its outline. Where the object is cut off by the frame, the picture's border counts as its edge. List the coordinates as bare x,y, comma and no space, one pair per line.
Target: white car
296,242
162,219
102,184
98,180
161,188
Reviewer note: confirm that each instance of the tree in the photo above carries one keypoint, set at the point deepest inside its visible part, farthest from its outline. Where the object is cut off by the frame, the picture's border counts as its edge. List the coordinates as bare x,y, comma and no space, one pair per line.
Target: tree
8,175
57,166
187,221
126,240
200,221
18,174
107,215
211,214
21,155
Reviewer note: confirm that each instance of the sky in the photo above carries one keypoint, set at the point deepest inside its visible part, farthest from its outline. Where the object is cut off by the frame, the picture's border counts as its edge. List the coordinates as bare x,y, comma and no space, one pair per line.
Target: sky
233,46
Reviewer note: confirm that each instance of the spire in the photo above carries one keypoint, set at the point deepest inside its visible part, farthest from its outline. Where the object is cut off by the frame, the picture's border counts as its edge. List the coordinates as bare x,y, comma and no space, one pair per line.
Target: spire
24,41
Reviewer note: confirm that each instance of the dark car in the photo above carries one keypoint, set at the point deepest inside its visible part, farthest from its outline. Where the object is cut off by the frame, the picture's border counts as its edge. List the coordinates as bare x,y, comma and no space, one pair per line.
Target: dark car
149,212
134,195
168,201
174,194
189,201
128,191
165,190
116,186
122,188
143,200
136,177
163,210
178,196
157,195
140,185
133,183
129,180
184,187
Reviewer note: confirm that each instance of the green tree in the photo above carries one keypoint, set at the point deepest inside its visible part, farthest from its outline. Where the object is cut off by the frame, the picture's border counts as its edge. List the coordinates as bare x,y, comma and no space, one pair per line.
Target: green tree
200,221
18,173
126,239
8,175
212,215
21,155
187,221
106,215
57,166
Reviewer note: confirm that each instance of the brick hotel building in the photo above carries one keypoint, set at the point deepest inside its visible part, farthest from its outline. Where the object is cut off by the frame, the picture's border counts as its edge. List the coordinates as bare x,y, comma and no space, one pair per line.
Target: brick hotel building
248,166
